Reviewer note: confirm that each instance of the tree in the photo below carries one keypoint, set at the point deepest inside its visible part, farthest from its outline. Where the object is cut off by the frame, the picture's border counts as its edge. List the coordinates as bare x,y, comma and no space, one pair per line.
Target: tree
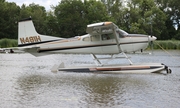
115,10
52,26
70,18
8,19
131,17
38,14
74,15
140,15
171,8
95,11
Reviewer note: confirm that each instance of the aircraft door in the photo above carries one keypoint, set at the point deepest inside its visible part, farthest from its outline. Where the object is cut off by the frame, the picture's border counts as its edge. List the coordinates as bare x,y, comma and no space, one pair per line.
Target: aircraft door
108,43
96,42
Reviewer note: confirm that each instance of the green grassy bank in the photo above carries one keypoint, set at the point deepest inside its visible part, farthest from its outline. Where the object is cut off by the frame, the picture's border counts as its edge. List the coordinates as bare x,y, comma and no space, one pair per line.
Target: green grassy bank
166,44
4,43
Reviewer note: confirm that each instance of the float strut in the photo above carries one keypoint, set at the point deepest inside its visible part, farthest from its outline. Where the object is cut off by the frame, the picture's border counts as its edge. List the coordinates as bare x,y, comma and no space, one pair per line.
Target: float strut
127,58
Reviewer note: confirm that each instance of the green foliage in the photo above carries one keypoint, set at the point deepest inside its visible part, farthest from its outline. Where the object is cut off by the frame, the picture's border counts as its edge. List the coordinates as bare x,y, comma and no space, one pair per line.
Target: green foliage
38,14
140,14
74,15
4,43
52,26
70,17
8,19
167,44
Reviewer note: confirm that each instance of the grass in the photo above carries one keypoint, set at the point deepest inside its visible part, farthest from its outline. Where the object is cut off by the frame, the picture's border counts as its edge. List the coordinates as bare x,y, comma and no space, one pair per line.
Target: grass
5,43
167,44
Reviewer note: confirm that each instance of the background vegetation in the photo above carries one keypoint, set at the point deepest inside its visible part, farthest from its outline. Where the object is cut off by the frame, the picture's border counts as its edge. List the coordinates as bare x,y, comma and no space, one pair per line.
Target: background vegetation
70,17
4,43
168,44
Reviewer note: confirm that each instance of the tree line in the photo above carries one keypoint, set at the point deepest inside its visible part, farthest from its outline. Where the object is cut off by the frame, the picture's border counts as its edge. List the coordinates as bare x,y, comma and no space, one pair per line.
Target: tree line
70,17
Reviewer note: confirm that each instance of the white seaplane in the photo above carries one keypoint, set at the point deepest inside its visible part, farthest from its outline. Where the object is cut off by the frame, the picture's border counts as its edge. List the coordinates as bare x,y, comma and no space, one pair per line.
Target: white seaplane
104,38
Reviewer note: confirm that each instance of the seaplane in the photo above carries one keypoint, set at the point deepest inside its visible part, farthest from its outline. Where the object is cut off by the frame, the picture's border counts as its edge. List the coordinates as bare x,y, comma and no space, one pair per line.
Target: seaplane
104,38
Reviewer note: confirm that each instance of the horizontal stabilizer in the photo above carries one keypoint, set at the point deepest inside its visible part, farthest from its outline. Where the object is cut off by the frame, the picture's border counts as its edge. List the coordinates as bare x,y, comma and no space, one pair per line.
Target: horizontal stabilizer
33,51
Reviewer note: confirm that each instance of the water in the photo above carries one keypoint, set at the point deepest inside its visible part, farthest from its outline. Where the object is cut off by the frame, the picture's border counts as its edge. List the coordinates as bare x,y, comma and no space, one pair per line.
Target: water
26,82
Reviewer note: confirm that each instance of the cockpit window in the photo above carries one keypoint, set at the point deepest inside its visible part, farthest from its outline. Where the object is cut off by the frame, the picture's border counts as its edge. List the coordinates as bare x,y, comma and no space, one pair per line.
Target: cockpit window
122,33
107,36
95,38
92,38
86,39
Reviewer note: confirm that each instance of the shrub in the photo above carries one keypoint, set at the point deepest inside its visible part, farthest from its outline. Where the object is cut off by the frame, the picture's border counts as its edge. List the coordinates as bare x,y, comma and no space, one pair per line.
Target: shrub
4,43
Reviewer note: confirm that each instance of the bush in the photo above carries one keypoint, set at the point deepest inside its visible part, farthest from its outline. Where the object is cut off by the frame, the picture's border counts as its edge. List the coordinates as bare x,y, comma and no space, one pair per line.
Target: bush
4,43
167,44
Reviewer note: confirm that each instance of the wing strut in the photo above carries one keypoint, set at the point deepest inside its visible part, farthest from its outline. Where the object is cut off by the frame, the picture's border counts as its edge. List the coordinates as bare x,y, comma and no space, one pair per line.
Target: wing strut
118,43
96,60
127,58
116,37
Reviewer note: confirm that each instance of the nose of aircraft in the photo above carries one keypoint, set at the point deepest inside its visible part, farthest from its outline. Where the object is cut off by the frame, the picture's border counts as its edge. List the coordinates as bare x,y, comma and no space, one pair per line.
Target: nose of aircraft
152,38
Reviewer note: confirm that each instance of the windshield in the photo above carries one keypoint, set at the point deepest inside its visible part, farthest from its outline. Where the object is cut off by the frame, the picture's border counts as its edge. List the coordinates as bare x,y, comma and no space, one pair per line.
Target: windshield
121,33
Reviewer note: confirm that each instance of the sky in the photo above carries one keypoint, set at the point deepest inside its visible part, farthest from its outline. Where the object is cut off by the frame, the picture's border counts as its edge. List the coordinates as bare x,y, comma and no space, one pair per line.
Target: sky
46,3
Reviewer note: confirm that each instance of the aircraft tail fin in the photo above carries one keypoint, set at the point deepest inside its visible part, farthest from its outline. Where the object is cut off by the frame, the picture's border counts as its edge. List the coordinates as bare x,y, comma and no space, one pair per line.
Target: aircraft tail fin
27,34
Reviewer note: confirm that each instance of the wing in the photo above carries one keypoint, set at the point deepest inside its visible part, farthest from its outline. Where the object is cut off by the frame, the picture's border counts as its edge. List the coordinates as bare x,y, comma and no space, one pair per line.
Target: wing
100,28
104,28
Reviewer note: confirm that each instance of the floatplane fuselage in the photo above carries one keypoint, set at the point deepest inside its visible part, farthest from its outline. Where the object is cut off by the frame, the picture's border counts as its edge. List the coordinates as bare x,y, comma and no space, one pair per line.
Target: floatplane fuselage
102,38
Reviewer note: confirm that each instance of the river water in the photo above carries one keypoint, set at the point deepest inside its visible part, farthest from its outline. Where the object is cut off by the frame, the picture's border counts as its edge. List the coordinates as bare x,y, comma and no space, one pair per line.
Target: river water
27,82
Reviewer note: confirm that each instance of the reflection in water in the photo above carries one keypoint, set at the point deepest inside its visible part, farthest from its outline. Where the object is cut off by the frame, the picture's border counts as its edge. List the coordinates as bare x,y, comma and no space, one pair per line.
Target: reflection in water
109,90
104,91
31,82
29,87
95,90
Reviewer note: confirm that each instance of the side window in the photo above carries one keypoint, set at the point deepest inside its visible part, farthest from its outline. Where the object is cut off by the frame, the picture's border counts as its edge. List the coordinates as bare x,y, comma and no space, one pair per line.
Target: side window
107,36
86,39
95,38
120,35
